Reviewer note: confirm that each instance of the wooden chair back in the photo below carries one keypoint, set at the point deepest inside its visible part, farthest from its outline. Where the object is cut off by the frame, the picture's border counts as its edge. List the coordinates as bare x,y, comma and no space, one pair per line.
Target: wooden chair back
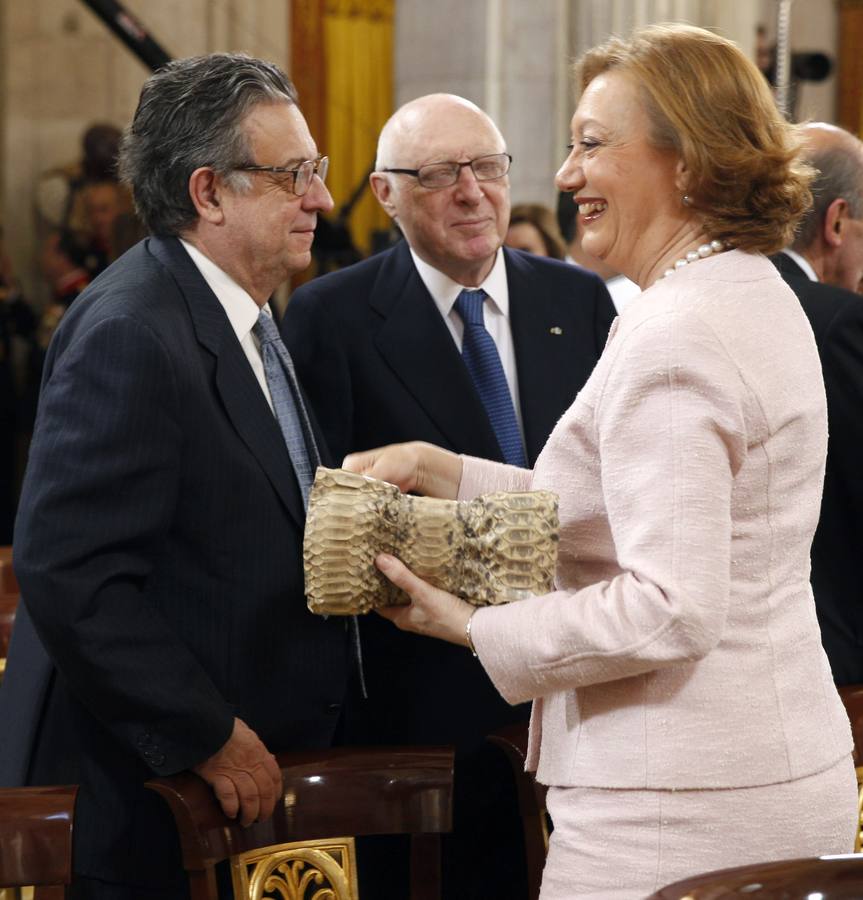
328,793
36,839
852,697
9,596
8,605
8,582
827,878
512,740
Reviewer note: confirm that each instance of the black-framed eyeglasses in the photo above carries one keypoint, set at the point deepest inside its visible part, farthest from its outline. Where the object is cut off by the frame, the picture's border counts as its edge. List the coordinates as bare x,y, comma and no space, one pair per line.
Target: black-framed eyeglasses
445,174
297,180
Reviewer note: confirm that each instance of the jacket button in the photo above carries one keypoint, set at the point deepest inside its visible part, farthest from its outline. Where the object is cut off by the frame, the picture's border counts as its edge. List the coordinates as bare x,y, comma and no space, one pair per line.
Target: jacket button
144,739
333,707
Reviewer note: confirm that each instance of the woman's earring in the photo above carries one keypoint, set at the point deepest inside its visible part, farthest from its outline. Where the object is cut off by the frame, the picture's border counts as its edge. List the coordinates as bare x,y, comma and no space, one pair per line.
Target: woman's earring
686,200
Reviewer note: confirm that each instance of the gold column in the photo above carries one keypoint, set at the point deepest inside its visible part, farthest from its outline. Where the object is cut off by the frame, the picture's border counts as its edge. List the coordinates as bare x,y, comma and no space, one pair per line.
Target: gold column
358,50
308,69
849,102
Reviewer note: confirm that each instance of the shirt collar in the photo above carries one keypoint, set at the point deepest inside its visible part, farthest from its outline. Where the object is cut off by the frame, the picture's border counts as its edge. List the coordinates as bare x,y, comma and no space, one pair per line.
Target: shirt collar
803,263
444,290
240,308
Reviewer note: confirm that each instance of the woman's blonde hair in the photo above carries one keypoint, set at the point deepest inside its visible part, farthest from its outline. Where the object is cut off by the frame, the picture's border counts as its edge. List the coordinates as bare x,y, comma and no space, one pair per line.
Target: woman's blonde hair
709,103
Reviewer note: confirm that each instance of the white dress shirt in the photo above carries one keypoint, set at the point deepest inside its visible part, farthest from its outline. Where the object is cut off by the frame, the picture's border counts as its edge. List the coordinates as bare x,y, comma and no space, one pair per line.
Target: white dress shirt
240,308
622,290
444,292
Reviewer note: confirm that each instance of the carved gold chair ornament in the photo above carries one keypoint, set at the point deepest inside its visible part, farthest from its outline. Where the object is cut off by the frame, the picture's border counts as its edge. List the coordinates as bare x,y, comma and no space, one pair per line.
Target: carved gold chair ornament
307,870
494,549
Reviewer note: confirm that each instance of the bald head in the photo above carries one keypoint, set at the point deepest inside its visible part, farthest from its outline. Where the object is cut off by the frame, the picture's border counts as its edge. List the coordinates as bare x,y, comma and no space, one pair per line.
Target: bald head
821,136
456,228
838,156
412,126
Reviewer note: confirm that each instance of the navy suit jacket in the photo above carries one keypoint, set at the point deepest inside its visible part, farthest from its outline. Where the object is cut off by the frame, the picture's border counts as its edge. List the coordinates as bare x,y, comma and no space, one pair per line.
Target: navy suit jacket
380,367
158,548
836,316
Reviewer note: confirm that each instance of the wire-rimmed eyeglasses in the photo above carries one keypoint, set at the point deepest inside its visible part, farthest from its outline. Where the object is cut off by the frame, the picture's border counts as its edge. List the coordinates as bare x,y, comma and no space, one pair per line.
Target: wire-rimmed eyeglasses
445,174
296,180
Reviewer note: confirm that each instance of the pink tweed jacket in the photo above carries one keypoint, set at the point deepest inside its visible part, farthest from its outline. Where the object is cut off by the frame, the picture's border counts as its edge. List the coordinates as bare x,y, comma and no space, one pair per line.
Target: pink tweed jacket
680,648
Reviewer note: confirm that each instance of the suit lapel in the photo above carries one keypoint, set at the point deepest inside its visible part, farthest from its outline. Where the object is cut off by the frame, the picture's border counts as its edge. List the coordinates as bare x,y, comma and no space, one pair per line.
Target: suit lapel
236,384
787,266
418,347
540,351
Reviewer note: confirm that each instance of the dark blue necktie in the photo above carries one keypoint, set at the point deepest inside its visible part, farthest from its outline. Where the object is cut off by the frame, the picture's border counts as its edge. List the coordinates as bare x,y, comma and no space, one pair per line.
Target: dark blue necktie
483,363
287,403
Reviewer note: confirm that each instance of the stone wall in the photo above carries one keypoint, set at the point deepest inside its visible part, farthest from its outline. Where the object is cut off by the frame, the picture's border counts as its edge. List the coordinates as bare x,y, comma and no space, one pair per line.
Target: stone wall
63,70
512,57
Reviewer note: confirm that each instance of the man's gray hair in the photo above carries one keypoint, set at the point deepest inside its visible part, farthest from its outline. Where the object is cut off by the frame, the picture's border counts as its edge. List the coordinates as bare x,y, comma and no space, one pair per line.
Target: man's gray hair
840,174
190,115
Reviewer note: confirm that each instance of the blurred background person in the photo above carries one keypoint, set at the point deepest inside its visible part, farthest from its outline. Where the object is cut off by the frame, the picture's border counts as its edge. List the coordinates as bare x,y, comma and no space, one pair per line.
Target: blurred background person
63,264
104,202
681,695
60,191
86,201
532,228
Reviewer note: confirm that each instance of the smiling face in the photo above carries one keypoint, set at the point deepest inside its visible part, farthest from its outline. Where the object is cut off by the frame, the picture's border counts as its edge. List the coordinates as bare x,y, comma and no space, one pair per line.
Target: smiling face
268,229
628,192
457,229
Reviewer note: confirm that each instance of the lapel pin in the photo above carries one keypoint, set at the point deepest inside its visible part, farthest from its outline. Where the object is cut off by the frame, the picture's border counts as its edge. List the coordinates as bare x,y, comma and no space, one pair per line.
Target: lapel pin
555,329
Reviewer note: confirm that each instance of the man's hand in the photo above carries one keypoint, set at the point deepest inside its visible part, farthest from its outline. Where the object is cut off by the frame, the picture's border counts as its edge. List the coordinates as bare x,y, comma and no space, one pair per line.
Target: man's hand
244,776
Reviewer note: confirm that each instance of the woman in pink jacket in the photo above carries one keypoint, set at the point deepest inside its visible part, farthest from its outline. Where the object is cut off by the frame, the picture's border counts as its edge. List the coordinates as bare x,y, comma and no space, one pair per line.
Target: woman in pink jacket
684,712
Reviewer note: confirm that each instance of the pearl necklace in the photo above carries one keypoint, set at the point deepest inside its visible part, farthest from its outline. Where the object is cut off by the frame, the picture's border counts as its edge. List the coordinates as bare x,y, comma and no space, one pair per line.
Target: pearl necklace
702,252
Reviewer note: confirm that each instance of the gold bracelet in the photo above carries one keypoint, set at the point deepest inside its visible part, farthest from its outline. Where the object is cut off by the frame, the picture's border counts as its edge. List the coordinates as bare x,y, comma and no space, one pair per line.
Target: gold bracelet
470,645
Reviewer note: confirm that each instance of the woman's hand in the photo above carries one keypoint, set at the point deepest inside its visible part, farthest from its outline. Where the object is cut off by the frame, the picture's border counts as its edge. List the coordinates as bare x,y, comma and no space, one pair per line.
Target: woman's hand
432,612
423,468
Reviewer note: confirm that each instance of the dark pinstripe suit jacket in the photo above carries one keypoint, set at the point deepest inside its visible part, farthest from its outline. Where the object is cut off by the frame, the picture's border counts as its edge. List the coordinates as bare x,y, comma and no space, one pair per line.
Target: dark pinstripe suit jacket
158,551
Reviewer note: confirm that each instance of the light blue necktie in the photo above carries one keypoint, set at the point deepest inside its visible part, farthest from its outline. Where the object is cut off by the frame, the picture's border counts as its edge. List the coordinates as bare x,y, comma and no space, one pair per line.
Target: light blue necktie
287,403
294,422
483,363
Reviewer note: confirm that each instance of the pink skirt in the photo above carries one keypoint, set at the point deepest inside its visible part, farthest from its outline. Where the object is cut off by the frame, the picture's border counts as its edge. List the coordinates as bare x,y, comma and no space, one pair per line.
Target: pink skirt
625,844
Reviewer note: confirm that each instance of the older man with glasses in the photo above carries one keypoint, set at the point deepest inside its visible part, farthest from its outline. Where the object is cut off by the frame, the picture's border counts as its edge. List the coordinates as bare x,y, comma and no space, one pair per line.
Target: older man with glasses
158,543
450,338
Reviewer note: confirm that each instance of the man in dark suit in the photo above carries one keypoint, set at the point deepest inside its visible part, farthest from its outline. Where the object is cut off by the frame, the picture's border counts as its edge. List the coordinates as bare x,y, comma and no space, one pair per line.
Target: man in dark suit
824,267
158,544
378,346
